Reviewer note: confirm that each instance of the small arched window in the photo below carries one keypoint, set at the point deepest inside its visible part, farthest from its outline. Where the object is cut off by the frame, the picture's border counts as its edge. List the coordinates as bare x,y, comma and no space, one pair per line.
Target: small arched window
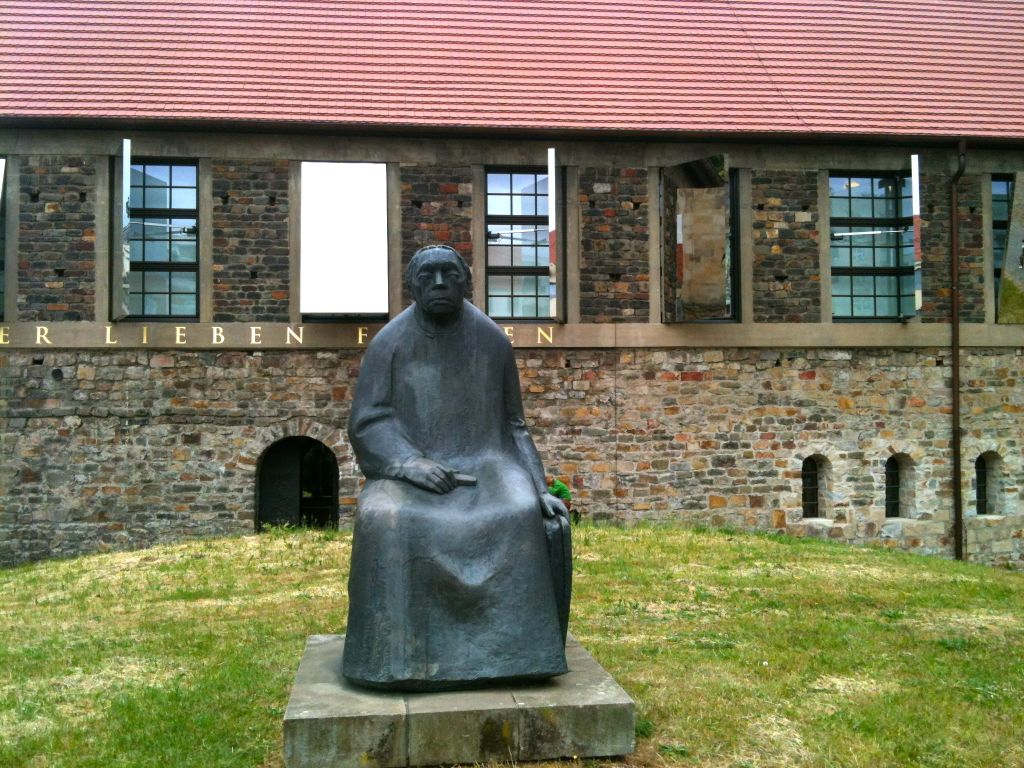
981,486
892,487
987,484
810,476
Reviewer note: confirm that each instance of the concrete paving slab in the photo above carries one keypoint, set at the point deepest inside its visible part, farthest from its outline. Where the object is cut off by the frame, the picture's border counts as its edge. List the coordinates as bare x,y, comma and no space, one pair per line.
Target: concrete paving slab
329,722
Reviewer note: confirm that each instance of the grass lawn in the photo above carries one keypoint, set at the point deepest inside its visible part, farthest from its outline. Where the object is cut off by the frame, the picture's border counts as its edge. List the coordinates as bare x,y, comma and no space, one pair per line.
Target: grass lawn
739,650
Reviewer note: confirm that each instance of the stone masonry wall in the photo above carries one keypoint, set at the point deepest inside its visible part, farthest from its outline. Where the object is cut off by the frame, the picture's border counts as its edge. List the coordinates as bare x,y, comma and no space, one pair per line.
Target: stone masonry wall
125,449
614,265
250,240
128,449
437,208
57,238
787,280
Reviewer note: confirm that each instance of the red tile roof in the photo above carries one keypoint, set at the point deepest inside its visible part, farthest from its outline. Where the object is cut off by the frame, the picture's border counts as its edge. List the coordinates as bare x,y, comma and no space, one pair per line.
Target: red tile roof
939,68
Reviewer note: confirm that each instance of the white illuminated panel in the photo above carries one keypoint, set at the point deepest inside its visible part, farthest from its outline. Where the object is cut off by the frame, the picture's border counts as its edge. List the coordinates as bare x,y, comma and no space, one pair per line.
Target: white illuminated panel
3,168
344,239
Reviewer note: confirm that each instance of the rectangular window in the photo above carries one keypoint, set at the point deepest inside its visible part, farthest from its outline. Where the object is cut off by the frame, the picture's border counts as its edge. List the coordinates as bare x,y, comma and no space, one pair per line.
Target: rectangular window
521,273
162,240
872,246
700,235
344,240
1002,199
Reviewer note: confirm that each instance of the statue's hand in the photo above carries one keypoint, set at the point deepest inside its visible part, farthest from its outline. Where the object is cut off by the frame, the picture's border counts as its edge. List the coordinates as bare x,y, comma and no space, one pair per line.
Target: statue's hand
552,505
428,474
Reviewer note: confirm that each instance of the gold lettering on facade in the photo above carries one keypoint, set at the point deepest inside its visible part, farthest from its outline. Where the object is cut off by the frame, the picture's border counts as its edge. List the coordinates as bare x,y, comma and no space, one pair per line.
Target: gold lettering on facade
42,335
548,335
254,334
290,334
216,335
110,336
510,331
179,334
361,335
4,339
145,334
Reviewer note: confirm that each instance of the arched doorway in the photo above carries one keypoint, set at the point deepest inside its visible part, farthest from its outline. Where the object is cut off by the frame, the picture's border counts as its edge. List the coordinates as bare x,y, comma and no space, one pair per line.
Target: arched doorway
297,484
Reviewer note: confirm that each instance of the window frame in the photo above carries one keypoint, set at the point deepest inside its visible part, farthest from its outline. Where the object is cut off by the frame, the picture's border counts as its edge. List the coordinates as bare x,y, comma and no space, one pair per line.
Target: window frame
810,488
900,224
169,266
541,221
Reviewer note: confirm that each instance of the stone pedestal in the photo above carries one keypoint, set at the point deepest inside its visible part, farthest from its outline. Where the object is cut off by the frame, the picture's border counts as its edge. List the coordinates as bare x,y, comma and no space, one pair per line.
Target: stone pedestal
332,723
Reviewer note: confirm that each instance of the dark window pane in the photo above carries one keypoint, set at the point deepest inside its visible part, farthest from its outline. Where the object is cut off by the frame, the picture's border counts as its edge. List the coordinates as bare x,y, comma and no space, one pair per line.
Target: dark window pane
157,198
499,307
499,255
887,306
863,307
183,175
183,198
183,282
523,205
155,304
500,285
157,251
499,182
156,282
183,304
499,205
156,175
524,183
524,307
183,252
860,208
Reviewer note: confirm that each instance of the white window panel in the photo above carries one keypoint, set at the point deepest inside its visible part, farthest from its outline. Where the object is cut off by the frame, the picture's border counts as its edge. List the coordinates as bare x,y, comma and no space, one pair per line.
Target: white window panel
344,239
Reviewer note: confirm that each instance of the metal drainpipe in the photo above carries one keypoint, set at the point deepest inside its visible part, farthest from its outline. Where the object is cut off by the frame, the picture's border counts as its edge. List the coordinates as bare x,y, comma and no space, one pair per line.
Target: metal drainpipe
954,273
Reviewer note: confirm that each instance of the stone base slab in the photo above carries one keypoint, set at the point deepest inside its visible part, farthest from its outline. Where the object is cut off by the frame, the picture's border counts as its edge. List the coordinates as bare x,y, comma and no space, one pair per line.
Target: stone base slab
329,722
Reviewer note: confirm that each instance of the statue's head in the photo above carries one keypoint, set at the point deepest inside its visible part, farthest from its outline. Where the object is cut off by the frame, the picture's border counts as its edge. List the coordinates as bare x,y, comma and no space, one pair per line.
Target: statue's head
438,279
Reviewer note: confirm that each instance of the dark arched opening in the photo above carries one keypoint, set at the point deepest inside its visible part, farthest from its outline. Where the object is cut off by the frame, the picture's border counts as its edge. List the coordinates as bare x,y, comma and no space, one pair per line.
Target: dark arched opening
810,476
297,484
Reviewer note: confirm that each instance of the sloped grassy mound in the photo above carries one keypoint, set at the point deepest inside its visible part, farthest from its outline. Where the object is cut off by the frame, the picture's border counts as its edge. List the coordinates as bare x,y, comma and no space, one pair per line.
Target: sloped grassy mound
740,650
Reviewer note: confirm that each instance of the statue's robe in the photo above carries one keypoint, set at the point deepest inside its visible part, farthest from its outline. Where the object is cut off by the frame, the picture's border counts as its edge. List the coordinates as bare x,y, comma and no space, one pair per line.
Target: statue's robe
452,589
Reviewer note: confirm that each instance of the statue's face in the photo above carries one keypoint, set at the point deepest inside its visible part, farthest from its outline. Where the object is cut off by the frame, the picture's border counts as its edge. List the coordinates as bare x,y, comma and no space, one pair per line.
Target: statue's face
439,284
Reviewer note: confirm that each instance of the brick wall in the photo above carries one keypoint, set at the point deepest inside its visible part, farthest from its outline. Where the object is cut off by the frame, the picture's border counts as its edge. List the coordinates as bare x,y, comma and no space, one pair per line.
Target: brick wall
935,247
614,258
250,240
57,238
787,280
116,449
437,208
672,310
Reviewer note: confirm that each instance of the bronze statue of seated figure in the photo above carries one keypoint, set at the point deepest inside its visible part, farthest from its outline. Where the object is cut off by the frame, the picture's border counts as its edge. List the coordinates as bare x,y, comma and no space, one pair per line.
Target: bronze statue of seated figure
461,563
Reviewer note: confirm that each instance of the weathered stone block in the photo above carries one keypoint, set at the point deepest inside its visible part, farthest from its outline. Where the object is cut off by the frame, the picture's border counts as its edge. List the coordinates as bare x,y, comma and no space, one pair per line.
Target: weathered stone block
331,723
